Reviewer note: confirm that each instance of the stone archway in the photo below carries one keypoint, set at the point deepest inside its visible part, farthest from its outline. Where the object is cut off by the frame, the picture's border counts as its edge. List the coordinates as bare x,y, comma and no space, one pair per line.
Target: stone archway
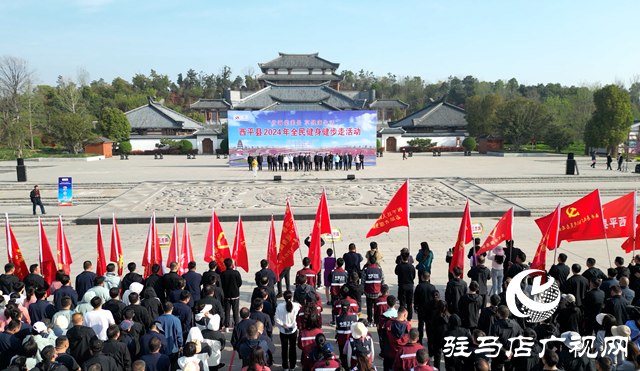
391,144
207,146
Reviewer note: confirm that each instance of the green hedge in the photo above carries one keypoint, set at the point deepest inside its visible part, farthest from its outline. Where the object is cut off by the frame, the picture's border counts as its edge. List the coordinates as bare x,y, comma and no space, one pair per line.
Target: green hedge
185,146
125,147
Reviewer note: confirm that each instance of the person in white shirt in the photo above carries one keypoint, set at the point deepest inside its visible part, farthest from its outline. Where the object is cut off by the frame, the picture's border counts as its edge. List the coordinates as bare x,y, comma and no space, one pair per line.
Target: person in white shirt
286,314
497,269
98,319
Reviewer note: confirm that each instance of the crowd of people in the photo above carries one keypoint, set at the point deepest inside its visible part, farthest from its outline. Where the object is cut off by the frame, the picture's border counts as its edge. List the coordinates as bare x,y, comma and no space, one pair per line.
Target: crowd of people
168,322
307,161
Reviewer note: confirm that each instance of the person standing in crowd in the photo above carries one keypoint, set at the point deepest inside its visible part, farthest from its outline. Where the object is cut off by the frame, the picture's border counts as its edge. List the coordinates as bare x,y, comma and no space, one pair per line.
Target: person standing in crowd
35,279
84,281
309,273
352,260
285,319
373,279
375,252
622,270
456,289
480,274
406,277
8,279
36,200
560,271
265,271
592,271
518,267
505,329
328,265
424,258
397,330
473,258
361,155
344,320
250,161
231,282
510,255
577,285
422,301
259,159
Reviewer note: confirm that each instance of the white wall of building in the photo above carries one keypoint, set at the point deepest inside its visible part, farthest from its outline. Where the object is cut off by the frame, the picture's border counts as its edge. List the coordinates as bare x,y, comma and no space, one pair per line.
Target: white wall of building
402,141
144,144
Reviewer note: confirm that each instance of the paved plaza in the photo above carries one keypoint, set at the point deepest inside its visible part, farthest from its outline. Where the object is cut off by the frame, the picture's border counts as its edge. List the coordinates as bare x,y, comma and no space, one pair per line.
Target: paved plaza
191,187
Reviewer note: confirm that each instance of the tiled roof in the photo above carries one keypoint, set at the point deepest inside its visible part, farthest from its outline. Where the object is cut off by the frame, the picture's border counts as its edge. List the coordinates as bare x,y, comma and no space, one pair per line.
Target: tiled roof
210,130
299,61
211,104
391,131
437,114
388,104
156,116
299,94
299,77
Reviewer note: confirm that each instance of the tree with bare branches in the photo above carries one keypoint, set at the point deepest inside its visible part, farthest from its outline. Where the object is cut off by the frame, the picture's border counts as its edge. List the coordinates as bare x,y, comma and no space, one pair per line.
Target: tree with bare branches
15,79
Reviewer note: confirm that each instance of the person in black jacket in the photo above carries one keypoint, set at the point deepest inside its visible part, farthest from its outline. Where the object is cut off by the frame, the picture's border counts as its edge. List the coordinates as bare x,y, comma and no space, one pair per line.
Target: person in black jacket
131,277
560,271
8,279
207,277
192,281
107,363
141,314
481,274
488,315
35,279
36,200
593,302
249,161
622,270
456,288
208,298
510,254
79,339
48,354
406,276
356,290
576,285
84,281
265,271
264,285
504,329
231,282
155,281
454,363
115,306
616,305
259,159
469,307
592,271
518,267
152,303
172,281
117,349
240,330
570,317
422,300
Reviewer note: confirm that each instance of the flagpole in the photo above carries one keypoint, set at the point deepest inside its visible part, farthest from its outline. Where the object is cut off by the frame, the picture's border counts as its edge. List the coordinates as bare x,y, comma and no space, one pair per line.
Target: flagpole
635,202
606,240
408,220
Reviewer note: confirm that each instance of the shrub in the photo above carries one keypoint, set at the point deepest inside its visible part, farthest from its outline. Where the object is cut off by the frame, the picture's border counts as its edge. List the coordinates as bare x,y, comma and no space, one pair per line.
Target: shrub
378,144
125,147
469,144
224,145
423,144
185,146
37,142
447,149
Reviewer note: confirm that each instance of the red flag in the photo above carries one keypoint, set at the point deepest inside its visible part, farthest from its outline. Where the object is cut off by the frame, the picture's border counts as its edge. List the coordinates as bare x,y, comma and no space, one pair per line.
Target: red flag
396,214
152,253
14,254
633,243
465,235
174,248
62,247
618,215
240,248
272,252
116,246
289,241
582,220
101,263
501,232
217,246
186,254
321,225
47,263
549,241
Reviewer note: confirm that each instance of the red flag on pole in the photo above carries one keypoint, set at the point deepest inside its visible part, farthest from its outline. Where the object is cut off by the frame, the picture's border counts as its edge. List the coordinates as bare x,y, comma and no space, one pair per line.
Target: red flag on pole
633,243
582,220
289,241
396,214
618,216
152,253
47,263
272,252
62,247
186,254
321,225
501,232
465,235
14,254
217,246
549,241
240,248
174,248
116,246
101,264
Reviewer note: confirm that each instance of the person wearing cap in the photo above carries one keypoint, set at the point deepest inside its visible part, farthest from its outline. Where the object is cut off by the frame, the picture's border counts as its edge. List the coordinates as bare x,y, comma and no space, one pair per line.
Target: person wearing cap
593,302
406,355
560,271
397,335
359,342
568,359
616,305
609,282
497,269
36,200
43,336
328,361
570,317
154,331
344,321
107,363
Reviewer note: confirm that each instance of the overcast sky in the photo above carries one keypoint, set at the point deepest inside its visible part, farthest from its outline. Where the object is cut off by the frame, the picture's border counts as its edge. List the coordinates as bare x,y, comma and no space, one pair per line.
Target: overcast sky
570,42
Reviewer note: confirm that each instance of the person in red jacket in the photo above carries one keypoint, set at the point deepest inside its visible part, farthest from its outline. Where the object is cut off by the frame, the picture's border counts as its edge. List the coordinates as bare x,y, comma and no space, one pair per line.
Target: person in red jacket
343,327
422,360
311,275
382,323
380,304
329,361
313,306
397,336
307,341
337,305
373,280
406,356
